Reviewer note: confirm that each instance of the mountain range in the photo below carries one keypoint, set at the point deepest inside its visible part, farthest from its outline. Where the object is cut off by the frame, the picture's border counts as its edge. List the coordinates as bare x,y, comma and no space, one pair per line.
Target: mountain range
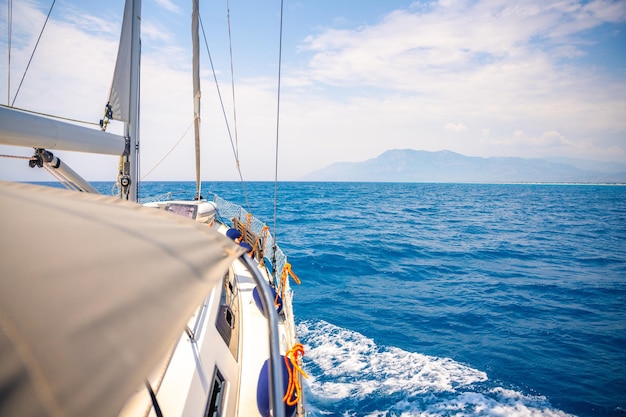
408,165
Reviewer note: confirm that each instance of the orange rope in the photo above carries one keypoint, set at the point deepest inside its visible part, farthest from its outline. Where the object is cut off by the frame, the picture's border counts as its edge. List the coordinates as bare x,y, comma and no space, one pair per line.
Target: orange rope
257,243
292,357
288,271
281,288
263,236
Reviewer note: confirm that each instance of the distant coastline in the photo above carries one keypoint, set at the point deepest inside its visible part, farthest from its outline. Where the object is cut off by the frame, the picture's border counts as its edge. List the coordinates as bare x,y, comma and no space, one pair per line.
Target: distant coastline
408,165
192,182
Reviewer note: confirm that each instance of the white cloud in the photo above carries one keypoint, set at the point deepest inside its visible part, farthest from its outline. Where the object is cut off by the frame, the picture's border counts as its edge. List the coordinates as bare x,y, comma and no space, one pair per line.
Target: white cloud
394,83
412,50
72,65
544,139
455,127
169,6
493,63
108,25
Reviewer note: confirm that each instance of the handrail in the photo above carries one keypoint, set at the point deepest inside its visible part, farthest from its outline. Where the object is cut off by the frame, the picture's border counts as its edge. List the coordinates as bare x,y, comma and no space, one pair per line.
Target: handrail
275,374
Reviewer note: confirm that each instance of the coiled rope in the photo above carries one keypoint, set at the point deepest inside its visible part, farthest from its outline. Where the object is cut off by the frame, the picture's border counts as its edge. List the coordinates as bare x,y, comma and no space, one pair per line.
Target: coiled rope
294,390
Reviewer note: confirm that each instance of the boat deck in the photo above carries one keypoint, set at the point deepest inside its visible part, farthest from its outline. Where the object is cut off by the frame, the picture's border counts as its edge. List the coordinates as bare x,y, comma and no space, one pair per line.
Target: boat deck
254,341
184,383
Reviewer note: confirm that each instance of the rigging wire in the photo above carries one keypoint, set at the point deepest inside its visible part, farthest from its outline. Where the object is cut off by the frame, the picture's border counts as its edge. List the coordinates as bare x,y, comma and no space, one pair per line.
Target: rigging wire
230,135
28,158
69,119
280,54
168,152
232,80
33,54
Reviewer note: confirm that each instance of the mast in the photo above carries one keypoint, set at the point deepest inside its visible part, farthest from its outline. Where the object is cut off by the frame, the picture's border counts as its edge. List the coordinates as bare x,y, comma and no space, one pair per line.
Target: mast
131,129
25,129
123,104
195,18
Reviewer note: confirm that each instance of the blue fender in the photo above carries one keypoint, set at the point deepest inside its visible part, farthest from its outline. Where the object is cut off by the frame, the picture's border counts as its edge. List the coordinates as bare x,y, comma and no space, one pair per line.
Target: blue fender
257,300
263,392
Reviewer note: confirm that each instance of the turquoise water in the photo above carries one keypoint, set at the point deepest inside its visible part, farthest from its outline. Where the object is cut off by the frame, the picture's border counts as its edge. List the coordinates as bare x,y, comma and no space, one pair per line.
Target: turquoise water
453,299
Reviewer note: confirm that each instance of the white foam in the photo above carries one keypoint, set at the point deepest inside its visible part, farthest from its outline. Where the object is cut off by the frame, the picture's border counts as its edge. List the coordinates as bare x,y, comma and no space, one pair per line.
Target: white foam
350,368
497,402
357,361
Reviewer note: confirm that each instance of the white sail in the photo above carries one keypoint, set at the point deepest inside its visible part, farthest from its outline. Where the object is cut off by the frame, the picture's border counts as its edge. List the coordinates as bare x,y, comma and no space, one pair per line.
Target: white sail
119,97
123,102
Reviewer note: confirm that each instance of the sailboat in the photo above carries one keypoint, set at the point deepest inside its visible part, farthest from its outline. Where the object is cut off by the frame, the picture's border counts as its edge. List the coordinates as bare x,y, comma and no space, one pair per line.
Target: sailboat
109,307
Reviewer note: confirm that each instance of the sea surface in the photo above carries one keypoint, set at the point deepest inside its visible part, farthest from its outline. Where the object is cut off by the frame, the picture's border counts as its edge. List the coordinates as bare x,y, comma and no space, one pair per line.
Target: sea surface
452,299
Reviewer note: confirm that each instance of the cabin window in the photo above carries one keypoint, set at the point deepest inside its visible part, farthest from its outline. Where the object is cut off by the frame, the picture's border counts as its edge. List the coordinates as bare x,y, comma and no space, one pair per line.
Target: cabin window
215,404
185,210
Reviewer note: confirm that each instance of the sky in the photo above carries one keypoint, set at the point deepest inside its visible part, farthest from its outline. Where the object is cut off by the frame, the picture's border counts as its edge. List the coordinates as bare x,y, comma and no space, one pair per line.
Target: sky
532,79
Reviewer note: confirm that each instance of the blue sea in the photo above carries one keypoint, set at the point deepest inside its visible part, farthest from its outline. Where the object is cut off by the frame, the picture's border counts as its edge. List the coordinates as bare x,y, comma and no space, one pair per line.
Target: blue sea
423,299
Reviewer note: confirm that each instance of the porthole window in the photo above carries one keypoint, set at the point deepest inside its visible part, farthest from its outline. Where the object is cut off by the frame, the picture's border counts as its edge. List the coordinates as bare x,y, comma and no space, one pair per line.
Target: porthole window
215,404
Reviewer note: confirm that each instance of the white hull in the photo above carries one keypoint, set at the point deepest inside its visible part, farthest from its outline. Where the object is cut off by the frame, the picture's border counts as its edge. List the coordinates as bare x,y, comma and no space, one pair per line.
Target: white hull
203,361
113,283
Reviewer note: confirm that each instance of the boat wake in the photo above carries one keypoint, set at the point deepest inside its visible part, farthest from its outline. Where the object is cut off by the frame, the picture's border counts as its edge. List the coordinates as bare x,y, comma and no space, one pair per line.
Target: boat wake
350,375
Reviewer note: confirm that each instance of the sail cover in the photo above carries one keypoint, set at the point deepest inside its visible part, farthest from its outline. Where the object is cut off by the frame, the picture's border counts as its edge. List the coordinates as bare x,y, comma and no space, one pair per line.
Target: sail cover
93,293
119,97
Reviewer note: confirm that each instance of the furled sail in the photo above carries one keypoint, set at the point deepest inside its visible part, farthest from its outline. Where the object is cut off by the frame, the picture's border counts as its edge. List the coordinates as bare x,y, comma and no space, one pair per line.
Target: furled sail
123,104
119,97
18,128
